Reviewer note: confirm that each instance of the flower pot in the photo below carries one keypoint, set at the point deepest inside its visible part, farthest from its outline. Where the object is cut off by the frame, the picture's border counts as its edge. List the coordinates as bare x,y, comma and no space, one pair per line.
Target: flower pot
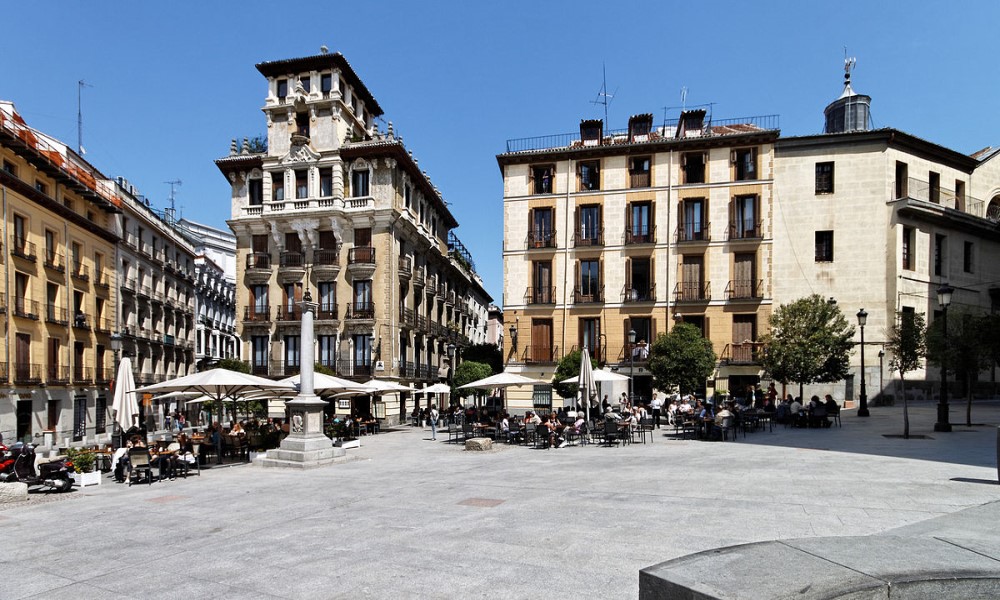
85,479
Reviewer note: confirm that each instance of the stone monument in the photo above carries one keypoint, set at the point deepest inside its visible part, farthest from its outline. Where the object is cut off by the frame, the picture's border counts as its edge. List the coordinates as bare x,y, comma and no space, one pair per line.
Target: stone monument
305,445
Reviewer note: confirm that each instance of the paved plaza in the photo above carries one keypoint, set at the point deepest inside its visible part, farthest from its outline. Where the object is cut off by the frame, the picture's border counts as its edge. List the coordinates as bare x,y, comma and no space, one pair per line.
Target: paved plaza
412,518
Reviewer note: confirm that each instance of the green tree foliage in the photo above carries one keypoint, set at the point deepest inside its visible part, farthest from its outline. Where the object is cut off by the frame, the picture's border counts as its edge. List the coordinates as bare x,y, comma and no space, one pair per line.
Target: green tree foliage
810,342
682,358
906,343
489,354
234,365
568,367
324,370
967,349
467,372
258,144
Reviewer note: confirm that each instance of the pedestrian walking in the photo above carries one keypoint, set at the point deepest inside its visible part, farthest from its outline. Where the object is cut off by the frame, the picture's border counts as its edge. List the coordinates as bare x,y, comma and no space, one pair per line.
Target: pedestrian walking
433,418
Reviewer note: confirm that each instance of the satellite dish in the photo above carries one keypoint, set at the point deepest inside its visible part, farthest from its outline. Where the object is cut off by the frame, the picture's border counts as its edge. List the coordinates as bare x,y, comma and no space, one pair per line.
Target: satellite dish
323,50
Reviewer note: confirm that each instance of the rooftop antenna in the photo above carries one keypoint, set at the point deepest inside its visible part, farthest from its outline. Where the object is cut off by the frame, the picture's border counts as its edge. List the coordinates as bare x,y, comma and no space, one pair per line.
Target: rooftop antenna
173,187
79,115
603,97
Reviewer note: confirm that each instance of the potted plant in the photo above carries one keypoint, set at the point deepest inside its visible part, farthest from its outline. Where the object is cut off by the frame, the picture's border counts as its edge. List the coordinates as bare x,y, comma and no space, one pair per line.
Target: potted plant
83,467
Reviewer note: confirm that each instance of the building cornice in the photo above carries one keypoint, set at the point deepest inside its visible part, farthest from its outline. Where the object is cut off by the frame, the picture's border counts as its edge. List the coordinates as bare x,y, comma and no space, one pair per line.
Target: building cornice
891,138
320,62
47,203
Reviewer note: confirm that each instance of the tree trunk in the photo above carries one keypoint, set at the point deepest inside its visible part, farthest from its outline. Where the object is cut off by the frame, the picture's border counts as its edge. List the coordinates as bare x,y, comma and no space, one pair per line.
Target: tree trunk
906,408
968,395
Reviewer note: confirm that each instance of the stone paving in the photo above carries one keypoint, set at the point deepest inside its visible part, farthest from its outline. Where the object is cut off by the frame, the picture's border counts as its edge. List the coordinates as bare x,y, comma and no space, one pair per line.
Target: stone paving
412,518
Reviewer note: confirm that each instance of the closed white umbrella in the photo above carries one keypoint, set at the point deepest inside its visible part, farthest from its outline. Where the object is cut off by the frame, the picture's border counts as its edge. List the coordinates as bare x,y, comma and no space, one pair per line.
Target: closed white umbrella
586,380
125,405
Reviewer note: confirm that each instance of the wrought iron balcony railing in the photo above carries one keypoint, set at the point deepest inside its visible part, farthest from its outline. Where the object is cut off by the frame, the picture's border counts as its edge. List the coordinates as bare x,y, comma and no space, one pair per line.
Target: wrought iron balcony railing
744,289
540,295
695,291
694,231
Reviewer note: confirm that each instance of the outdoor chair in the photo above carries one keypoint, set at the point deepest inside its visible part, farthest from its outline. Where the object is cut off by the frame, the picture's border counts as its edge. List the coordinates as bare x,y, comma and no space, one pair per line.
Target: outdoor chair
454,433
142,466
596,433
729,427
184,467
468,432
611,433
645,427
834,416
542,437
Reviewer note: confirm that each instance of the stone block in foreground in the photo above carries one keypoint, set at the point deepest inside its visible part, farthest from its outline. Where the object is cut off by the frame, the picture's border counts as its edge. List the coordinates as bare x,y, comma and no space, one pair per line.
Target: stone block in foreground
478,444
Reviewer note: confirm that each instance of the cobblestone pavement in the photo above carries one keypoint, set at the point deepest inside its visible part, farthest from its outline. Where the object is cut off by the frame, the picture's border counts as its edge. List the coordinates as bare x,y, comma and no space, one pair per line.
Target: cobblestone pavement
412,518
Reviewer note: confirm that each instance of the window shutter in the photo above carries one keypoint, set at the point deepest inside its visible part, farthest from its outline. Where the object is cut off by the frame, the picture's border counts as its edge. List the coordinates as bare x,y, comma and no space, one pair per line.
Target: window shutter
576,229
706,332
684,161
652,283
298,292
600,279
652,220
733,215
628,217
576,275
628,275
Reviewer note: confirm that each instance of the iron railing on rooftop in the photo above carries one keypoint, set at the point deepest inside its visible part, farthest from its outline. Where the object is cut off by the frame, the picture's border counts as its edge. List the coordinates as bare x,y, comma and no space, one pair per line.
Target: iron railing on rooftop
667,130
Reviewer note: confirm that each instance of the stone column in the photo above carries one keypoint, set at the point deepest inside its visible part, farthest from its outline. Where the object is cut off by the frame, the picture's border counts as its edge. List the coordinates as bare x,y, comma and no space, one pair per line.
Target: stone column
306,445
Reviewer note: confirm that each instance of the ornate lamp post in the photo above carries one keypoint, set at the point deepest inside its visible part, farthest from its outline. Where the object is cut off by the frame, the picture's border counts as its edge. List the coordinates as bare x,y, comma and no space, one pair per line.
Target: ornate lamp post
451,367
116,348
631,361
863,407
881,355
944,300
513,337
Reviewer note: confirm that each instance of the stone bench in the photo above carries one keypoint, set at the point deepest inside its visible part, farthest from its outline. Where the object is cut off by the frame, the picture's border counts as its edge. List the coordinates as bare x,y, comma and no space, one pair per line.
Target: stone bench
830,568
478,444
13,492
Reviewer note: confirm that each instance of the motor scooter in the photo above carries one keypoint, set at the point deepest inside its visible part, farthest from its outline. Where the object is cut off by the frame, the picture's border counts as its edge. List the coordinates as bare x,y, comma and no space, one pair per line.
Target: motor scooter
6,460
25,468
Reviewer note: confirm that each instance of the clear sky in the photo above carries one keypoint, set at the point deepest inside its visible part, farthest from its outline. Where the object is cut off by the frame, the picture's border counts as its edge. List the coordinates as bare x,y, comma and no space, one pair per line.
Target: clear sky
173,82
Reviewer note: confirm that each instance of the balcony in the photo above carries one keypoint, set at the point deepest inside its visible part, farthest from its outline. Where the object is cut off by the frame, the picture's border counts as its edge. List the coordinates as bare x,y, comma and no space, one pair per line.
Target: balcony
741,353
541,239
284,312
589,295
696,231
419,277
103,325
361,262
744,289
259,314
442,291
696,291
27,373
540,354
258,369
540,295
746,230
101,279
54,261
292,266
638,180
421,322
258,267
588,238
406,317
80,271
26,309
639,294
348,368
81,375
407,370
80,322
915,189
405,267
22,248
129,286
327,312
104,375
450,298
640,235
57,375
281,368
360,311
56,315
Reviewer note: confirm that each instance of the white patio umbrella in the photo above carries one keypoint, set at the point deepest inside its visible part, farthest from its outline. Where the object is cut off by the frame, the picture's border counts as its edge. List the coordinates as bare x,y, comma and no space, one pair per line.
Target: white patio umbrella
437,389
600,376
381,386
219,385
586,380
502,381
329,383
125,405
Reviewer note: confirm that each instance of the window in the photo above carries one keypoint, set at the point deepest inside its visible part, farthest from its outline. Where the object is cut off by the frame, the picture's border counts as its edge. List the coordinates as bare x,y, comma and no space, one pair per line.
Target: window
959,194
301,184
824,246
589,231
327,299
590,336
258,295
541,178
327,350
639,280
10,167
542,234
907,250
325,83
408,196
939,253
640,228
967,258
638,172
824,178
282,89
693,167
589,289
363,296
744,334
362,350
277,187
326,182
744,218
744,283
293,295
359,183
902,180
302,124
541,291
50,247
745,163
41,187
20,231
259,345
306,82
363,237
293,353
255,188
934,187
692,277
692,220
541,398
76,251
101,409
589,173
643,328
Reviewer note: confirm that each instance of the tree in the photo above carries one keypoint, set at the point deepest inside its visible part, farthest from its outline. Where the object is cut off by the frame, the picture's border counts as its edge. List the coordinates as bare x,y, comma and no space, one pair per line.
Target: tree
810,342
467,372
489,354
682,358
906,342
568,367
257,144
240,366
233,364
967,350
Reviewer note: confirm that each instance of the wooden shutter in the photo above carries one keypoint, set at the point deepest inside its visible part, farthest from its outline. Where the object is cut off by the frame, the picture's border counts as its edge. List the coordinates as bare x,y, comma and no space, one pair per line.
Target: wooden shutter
652,221
327,241
628,217
577,231
260,243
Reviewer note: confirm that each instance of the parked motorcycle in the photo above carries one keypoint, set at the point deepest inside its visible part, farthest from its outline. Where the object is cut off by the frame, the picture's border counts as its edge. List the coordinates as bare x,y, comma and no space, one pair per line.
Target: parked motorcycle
53,474
6,460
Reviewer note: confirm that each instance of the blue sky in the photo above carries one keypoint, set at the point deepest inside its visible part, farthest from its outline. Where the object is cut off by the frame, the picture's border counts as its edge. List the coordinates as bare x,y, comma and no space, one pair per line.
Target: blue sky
173,82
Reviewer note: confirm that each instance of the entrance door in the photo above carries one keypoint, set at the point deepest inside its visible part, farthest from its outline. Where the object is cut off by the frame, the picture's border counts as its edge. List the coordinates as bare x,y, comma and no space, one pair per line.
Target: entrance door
541,340
24,420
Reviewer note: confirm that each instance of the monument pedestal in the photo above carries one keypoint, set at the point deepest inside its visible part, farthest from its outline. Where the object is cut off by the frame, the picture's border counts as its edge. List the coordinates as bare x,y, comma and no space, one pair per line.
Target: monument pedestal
305,446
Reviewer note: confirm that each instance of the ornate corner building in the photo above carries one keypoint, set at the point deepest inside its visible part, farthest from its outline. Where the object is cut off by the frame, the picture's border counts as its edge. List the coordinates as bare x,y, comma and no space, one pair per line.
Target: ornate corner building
334,207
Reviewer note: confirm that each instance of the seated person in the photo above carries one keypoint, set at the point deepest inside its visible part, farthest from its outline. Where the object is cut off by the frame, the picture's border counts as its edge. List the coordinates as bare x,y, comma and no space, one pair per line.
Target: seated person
817,413
531,419
185,450
795,412
831,405
165,462
720,417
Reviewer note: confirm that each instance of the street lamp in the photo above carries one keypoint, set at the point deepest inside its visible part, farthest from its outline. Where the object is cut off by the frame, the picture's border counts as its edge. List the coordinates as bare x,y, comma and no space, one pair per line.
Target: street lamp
513,337
881,369
116,347
863,408
944,300
451,367
631,361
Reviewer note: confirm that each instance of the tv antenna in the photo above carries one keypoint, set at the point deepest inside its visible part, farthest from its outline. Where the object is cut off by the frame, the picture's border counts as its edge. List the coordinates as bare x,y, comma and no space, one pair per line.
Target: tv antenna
79,115
603,97
173,189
